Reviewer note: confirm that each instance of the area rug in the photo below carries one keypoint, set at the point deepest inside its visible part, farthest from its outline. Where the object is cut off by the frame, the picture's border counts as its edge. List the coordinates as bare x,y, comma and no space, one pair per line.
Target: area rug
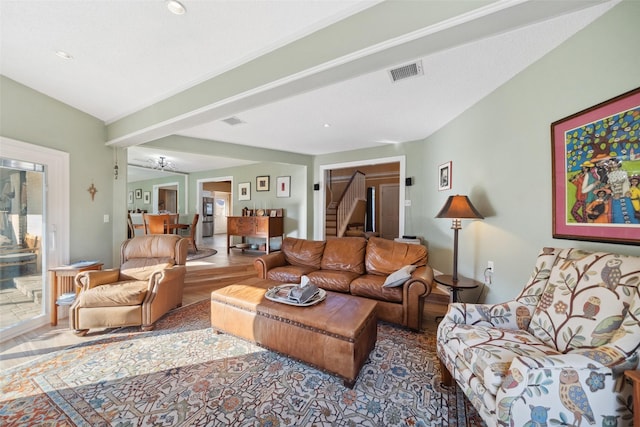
184,374
201,253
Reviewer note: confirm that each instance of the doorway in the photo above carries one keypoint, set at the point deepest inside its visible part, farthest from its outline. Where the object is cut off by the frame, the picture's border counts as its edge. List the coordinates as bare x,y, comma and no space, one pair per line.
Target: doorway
34,233
324,194
389,213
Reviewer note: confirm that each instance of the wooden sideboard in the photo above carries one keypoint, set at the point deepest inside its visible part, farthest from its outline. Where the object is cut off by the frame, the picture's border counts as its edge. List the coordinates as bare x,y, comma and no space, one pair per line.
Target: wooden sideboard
264,227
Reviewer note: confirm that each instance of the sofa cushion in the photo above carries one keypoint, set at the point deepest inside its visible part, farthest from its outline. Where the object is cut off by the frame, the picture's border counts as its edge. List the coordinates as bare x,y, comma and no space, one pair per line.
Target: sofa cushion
398,277
305,253
344,254
333,280
370,286
383,256
117,294
288,273
589,301
141,268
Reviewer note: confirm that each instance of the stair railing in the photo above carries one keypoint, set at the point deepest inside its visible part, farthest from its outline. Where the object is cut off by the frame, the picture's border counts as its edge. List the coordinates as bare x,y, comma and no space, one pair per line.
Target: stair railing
355,192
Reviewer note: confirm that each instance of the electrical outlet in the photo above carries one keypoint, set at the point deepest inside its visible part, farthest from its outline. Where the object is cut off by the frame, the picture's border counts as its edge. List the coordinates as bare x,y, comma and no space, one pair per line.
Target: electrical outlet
490,267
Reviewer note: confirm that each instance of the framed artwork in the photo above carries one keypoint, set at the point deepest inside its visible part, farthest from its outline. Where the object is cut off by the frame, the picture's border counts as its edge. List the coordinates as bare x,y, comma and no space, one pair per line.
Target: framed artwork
596,172
130,197
147,197
444,176
138,193
283,186
262,183
244,191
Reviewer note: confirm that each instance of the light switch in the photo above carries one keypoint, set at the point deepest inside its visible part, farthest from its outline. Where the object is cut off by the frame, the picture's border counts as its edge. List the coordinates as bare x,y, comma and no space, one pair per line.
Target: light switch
106,218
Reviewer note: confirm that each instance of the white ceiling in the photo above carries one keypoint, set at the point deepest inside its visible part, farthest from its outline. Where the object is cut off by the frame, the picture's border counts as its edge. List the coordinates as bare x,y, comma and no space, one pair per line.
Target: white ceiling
130,54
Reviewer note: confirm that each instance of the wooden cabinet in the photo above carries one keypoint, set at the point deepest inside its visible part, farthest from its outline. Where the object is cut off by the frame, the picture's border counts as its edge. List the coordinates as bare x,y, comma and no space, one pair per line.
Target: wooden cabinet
265,227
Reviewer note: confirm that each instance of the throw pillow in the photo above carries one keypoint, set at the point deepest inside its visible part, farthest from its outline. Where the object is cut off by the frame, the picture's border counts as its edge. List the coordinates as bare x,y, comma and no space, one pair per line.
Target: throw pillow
397,278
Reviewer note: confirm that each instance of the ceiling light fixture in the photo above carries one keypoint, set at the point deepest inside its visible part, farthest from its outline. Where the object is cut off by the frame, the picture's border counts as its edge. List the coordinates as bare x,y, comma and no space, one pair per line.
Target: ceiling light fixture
327,125
162,164
64,55
176,7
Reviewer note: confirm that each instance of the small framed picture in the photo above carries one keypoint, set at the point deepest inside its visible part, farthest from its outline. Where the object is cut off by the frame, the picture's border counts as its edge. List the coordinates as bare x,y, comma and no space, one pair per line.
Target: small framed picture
283,186
262,183
273,213
147,197
138,193
244,191
444,176
130,197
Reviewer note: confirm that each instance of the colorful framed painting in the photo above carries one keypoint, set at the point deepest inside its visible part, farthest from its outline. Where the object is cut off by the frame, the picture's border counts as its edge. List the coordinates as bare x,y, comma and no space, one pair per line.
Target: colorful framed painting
444,176
244,191
596,172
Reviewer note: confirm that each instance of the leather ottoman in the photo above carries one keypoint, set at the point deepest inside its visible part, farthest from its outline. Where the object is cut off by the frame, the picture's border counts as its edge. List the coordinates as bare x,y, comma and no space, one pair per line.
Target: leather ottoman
335,335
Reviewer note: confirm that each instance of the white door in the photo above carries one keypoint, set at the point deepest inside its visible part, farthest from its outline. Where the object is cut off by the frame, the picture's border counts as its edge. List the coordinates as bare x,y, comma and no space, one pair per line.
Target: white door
389,210
220,212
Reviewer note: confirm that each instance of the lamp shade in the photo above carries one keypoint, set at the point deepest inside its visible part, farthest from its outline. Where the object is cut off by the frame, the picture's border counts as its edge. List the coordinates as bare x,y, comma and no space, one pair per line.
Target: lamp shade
459,207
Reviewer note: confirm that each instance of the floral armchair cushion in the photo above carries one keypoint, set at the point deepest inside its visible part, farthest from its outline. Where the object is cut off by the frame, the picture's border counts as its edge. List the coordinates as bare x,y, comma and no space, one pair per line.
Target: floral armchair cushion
555,354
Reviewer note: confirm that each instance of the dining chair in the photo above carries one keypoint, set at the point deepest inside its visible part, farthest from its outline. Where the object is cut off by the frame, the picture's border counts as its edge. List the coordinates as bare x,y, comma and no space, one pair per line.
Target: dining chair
192,233
173,220
156,224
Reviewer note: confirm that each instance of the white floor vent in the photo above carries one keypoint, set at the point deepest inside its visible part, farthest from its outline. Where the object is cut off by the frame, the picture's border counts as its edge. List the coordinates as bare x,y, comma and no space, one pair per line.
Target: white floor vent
406,71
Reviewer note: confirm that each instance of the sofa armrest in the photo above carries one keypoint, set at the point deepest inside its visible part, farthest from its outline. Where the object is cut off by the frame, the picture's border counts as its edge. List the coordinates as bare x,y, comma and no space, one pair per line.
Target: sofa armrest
511,315
414,292
264,263
541,382
86,280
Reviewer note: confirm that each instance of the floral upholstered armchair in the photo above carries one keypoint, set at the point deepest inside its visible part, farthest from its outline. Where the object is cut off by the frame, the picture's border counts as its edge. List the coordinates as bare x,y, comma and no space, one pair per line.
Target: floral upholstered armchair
556,354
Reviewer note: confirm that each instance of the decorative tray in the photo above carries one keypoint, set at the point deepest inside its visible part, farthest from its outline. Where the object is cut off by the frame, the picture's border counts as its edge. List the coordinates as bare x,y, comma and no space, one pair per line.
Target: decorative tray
281,294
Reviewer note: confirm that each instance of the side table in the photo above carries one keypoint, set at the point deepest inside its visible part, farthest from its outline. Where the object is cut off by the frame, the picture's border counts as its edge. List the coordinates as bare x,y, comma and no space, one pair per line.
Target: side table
61,280
635,378
456,286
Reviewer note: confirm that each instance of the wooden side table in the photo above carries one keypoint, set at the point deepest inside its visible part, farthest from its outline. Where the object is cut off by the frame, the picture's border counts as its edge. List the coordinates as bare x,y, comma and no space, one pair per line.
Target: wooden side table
635,378
61,280
456,285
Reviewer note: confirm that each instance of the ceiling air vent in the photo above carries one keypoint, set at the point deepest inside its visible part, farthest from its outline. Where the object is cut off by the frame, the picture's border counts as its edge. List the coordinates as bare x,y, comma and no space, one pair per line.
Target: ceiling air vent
406,71
232,121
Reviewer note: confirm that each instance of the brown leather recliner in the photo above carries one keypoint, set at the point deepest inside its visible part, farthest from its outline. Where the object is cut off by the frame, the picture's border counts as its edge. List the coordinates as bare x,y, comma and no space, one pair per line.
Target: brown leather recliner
148,284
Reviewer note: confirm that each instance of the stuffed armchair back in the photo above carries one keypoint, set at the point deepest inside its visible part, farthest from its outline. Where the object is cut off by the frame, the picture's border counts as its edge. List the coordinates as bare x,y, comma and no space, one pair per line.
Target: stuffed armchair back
556,354
148,284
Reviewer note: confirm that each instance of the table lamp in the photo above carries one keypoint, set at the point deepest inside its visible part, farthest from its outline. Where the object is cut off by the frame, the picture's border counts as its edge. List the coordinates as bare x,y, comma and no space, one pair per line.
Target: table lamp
458,207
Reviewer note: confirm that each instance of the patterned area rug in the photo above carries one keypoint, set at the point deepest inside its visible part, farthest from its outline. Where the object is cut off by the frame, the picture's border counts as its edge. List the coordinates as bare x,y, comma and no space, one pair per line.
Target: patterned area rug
184,374
201,253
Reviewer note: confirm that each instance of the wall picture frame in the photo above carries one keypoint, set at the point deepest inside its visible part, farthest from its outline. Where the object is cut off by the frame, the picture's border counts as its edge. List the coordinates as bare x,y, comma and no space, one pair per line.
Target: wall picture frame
283,186
138,193
262,183
444,176
146,197
596,172
244,191
130,199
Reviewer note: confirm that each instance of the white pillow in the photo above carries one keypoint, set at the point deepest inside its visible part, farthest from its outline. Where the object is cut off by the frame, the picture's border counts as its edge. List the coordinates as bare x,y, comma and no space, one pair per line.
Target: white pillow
397,278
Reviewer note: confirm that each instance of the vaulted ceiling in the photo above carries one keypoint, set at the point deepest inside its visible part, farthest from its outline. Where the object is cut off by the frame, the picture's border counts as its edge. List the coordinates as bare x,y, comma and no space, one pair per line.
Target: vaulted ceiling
305,76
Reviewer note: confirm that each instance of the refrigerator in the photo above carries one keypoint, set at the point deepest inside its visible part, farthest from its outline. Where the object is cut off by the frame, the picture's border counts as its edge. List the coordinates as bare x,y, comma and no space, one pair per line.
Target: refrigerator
207,216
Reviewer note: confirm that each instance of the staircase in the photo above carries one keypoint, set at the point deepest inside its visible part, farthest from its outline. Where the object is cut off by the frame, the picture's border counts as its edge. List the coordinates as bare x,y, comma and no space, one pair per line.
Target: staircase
331,221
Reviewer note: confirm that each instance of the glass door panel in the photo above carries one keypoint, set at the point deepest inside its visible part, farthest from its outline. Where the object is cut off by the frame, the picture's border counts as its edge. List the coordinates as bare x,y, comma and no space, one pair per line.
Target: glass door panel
21,229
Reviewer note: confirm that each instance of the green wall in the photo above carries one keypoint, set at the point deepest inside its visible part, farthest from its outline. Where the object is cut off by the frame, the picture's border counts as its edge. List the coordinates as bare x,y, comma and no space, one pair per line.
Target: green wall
501,154
29,116
500,149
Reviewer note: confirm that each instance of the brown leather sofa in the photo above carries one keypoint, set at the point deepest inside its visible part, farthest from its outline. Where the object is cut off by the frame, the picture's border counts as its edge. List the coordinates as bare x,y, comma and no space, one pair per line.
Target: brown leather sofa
359,267
149,283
